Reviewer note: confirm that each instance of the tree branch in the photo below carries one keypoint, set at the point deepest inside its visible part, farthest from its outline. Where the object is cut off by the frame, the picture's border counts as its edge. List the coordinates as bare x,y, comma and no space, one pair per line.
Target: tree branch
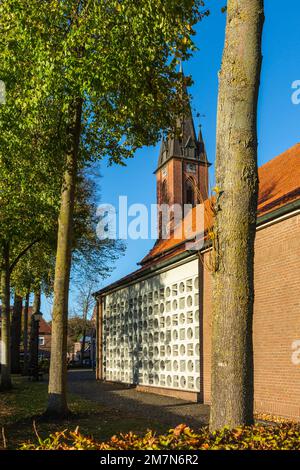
22,253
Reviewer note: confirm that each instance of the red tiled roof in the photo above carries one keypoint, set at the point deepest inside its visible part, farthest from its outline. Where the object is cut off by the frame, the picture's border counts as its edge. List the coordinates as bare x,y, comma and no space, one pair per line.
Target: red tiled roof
182,232
279,185
279,181
44,327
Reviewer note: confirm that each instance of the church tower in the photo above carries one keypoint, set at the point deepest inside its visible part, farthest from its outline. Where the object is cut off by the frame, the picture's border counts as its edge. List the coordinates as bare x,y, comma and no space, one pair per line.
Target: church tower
182,171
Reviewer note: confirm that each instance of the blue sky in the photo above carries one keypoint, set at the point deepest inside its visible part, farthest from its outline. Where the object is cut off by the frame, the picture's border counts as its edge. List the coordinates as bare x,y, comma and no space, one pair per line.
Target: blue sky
278,118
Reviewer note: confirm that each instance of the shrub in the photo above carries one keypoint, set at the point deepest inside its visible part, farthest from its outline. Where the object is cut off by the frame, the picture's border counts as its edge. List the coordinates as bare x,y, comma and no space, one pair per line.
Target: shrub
44,365
279,437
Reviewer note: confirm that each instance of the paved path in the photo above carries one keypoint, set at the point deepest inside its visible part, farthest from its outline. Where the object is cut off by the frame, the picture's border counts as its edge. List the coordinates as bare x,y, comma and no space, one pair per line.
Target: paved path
166,410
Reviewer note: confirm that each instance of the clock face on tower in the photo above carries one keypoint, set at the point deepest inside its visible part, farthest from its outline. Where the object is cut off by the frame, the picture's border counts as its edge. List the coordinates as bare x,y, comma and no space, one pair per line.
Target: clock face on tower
164,172
191,167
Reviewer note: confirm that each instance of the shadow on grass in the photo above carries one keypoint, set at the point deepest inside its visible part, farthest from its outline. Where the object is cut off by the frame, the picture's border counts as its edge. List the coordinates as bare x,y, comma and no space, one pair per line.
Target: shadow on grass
22,416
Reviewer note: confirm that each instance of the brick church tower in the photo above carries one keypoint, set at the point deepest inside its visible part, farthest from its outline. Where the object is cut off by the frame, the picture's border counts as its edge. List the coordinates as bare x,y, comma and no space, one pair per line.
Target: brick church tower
182,172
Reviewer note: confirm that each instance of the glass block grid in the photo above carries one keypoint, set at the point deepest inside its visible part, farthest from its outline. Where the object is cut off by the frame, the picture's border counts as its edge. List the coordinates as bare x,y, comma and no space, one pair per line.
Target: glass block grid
151,333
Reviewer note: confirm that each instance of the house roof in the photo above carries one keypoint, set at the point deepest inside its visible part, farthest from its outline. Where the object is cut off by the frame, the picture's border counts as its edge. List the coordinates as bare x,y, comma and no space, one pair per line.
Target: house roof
44,327
279,180
279,185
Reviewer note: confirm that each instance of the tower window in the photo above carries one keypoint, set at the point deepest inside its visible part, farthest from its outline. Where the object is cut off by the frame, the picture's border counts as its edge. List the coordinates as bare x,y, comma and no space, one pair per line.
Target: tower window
190,194
164,193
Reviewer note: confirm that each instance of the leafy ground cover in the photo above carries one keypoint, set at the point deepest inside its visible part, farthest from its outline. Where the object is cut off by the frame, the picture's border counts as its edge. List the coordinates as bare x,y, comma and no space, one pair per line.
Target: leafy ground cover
21,416
279,437
103,428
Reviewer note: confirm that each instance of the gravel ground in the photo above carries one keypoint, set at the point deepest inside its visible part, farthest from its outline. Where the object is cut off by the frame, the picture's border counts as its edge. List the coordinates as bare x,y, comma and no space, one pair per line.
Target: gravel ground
166,410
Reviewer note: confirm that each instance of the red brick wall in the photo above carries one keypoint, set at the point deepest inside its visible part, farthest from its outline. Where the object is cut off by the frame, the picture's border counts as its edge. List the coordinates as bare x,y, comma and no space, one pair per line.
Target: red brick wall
176,176
47,345
203,185
276,319
173,179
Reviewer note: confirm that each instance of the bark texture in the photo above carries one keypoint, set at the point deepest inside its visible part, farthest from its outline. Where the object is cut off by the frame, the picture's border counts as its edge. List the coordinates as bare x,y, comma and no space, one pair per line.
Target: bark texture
16,328
25,335
5,319
57,398
235,225
34,333
85,314
82,347
99,331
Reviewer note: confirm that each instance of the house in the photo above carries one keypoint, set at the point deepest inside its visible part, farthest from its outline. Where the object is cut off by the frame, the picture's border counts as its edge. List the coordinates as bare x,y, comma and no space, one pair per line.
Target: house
44,333
154,325
89,350
44,338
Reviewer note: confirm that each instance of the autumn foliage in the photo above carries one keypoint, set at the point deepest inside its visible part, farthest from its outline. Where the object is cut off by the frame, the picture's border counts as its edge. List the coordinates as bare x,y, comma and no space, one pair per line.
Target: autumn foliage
278,437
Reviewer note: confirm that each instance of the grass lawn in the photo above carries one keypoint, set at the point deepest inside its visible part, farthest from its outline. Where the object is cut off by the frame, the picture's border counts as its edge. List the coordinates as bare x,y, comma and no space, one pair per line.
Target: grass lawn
26,402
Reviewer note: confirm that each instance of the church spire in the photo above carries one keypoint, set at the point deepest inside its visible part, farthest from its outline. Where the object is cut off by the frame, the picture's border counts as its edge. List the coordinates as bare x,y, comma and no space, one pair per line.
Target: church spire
201,147
182,142
182,171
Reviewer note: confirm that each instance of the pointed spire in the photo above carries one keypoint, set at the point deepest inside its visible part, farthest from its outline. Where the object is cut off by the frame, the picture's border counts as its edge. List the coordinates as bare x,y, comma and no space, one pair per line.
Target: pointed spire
163,153
201,147
200,140
183,142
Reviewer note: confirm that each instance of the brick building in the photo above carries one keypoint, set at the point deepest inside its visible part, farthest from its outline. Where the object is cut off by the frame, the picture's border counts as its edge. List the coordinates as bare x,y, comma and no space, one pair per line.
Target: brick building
44,335
154,325
44,338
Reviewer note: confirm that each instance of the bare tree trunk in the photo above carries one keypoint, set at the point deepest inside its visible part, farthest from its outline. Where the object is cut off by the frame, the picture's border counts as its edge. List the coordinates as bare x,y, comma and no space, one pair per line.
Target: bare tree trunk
16,328
235,225
5,319
86,300
85,313
57,397
25,335
82,347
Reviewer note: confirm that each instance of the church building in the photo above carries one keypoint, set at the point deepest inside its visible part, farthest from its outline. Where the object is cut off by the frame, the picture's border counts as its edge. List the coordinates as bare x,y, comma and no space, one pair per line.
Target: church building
154,325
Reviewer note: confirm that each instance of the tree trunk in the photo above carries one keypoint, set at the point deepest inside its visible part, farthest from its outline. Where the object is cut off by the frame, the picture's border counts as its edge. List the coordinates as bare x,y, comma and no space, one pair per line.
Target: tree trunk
57,399
25,335
85,314
82,347
33,349
235,224
16,328
5,319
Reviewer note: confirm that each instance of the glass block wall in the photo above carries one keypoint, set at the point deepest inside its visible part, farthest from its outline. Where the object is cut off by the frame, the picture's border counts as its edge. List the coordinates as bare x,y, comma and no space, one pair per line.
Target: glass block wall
151,331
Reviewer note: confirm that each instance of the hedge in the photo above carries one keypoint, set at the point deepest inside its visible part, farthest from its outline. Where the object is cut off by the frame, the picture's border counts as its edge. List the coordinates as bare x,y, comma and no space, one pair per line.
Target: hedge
279,437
